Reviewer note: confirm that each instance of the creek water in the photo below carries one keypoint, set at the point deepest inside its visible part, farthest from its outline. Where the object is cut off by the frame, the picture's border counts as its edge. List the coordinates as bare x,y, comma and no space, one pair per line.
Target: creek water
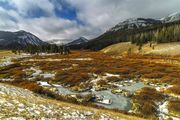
119,101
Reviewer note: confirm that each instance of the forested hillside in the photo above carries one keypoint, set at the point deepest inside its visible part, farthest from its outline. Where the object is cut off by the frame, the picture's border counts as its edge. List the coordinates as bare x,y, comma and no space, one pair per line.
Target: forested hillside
161,33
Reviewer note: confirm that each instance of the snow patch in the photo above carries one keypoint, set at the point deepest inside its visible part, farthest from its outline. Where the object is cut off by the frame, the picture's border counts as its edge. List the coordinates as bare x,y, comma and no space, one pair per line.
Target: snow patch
44,84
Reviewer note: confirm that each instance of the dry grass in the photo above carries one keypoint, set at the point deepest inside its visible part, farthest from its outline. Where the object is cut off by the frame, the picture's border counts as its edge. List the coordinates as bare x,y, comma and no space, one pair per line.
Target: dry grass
6,53
165,49
174,107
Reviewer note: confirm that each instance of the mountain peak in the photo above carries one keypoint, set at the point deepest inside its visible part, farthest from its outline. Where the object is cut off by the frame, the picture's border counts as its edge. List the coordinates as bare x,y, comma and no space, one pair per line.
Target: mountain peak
22,31
78,41
172,17
134,23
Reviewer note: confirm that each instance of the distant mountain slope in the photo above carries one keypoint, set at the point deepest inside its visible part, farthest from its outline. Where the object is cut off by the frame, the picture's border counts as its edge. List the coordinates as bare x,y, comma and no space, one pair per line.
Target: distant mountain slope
19,39
172,17
78,41
59,41
136,29
134,23
118,33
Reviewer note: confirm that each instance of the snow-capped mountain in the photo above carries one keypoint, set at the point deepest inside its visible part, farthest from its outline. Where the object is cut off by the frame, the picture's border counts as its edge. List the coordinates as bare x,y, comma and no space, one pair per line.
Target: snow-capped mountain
134,23
79,41
171,18
18,39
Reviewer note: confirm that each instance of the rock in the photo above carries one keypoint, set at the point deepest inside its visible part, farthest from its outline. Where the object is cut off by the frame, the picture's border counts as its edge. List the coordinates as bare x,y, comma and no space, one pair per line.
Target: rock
88,113
21,105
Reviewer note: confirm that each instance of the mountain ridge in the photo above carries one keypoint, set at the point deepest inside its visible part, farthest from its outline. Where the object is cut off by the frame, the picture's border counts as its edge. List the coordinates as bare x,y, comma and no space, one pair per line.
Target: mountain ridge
123,30
78,41
18,39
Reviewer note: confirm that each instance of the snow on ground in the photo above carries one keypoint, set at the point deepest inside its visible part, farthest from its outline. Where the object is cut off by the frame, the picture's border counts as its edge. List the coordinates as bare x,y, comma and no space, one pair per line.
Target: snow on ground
5,62
66,69
97,77
6,80
164,112
163,109
45,84
112,75
37,72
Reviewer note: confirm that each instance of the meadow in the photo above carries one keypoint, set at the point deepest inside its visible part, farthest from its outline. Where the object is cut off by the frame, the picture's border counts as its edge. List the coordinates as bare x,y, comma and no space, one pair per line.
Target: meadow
78,70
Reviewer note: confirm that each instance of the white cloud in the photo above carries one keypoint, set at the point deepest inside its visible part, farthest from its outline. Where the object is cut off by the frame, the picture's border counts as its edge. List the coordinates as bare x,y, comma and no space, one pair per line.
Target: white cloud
96,15
25,7
106,13
7,22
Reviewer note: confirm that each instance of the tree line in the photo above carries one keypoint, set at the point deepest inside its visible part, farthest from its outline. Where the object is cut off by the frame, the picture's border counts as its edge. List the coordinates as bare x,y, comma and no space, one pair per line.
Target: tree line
50,48
161,35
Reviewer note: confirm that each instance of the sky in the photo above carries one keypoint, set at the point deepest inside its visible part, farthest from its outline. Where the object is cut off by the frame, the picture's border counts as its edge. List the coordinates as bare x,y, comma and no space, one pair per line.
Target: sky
71,19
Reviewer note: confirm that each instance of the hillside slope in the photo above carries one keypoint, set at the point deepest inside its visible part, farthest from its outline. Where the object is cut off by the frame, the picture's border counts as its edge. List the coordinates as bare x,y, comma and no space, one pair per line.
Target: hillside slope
138,30
156,49
17,103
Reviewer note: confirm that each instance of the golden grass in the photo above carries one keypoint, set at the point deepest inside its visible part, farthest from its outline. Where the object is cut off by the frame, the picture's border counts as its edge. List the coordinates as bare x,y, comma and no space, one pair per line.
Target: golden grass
165,49
6,53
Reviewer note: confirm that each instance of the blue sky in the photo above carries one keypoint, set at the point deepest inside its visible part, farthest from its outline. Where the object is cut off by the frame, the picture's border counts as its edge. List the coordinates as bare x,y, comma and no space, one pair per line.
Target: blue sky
70,19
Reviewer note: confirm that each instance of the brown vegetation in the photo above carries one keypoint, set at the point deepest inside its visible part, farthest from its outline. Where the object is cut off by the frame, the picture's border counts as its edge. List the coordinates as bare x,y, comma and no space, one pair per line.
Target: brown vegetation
146,99
174,107
128,67
174,89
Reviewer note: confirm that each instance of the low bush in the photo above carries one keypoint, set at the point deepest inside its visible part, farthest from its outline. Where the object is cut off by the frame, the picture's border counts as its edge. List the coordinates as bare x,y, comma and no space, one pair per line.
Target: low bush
174,107
154,75
146,99
174,89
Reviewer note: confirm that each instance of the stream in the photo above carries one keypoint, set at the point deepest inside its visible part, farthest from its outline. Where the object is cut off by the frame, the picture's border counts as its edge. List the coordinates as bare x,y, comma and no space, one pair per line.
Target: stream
119,101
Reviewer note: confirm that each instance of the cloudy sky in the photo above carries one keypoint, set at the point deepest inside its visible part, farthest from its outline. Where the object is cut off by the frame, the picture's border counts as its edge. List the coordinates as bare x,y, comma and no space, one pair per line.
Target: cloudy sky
70,19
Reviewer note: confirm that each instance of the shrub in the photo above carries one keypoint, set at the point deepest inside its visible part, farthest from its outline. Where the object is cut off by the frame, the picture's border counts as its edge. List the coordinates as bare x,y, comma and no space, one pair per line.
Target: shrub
101,82
174,89
148,108
154,75
149,94
146,99
174,107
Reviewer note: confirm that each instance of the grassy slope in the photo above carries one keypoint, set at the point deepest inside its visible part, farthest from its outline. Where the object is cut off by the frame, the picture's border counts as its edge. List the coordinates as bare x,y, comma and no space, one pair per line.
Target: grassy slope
159,49
6,53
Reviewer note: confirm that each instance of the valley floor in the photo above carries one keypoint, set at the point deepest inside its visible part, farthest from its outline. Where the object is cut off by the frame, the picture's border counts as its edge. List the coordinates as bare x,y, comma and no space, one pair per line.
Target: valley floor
143,85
